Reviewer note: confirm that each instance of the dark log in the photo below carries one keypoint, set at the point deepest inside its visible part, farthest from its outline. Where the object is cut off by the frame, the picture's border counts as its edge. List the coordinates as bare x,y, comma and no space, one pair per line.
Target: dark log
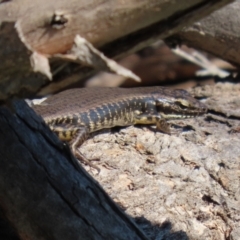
45,193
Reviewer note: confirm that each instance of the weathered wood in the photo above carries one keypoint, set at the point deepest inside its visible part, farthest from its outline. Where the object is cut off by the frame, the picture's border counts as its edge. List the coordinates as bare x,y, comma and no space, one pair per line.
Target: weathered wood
217,34
49,27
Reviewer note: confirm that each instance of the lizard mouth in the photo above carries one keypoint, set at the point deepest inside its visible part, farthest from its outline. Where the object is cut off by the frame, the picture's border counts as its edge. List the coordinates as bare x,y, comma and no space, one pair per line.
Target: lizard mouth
180,107
181,112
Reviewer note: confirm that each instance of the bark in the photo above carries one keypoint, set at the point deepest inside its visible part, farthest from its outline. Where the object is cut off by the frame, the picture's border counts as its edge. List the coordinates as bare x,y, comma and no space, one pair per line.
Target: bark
180,186
45,193
47,28
217,34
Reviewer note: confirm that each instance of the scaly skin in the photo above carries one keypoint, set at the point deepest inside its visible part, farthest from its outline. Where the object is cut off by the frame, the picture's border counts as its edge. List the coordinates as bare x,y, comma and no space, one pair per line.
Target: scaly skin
75,113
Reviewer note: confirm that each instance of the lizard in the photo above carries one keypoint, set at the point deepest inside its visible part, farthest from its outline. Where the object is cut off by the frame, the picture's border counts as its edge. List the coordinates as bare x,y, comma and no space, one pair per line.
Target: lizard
74,114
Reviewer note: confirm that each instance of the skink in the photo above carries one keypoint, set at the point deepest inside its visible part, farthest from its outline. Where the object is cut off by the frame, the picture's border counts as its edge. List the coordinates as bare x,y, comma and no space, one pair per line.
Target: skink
74,114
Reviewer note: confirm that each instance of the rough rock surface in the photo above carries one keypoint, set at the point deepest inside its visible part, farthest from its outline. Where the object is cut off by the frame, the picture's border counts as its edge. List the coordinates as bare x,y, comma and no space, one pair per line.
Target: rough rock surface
180,186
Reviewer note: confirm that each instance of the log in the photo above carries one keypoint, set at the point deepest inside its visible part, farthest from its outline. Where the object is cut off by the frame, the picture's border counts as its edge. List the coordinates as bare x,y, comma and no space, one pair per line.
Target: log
217,34
45,29
45,193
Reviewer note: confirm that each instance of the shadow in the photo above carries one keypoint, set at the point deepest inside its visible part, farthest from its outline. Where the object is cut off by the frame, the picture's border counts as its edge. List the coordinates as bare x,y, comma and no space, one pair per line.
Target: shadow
163,231
7,232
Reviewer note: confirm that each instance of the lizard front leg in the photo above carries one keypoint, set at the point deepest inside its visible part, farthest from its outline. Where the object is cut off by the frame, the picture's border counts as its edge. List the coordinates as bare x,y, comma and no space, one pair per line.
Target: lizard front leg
75,137
79,137
161,123
150,115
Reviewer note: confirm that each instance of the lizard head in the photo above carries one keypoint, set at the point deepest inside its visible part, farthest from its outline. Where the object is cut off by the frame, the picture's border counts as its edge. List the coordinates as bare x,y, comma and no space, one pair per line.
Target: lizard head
179,104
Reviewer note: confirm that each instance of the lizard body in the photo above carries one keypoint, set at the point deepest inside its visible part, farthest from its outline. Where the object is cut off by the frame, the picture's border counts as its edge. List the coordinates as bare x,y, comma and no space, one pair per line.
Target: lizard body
74,113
